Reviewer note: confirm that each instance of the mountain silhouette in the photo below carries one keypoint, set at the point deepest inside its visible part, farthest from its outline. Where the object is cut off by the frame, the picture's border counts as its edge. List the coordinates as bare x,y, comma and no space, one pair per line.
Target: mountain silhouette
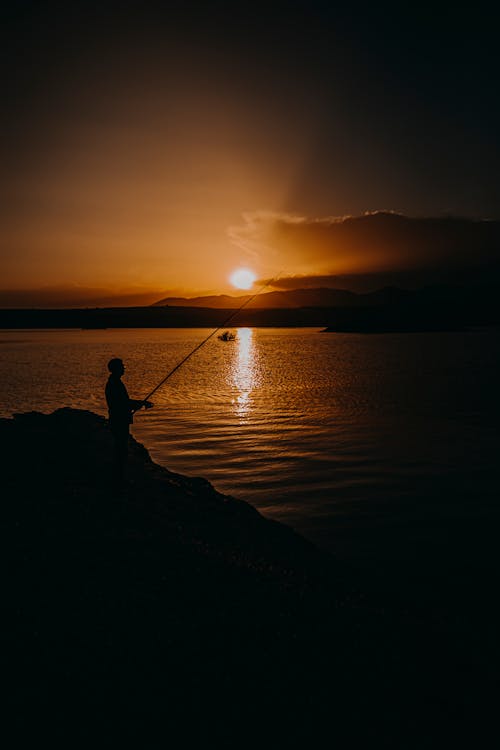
437,307
320,297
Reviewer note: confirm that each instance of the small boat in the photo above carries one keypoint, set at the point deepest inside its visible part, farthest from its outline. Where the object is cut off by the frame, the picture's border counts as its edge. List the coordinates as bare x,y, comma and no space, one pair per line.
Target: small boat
227,336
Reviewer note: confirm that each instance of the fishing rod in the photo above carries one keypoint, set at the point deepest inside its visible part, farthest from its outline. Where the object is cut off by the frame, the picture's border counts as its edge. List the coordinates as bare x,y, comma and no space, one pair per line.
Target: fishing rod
222,325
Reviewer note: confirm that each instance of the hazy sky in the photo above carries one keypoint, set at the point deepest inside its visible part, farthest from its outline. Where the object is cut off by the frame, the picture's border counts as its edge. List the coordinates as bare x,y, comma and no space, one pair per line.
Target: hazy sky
143,143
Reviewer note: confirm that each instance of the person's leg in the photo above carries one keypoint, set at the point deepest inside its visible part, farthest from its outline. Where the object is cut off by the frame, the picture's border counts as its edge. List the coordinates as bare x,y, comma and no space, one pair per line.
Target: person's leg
120,436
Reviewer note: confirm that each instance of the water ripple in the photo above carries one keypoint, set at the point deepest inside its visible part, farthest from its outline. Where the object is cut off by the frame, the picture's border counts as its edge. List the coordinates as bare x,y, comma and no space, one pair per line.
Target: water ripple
300,423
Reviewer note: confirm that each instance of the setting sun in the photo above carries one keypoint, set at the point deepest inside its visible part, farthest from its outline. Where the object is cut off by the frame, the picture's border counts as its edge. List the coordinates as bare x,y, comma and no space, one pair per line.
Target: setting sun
242,278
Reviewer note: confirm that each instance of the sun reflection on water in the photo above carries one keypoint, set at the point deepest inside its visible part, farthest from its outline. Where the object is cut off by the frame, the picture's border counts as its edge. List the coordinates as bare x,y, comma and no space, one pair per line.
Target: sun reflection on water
244,372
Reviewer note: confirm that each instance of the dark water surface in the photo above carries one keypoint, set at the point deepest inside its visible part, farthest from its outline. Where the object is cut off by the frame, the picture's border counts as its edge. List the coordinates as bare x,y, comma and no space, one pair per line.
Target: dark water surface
358,441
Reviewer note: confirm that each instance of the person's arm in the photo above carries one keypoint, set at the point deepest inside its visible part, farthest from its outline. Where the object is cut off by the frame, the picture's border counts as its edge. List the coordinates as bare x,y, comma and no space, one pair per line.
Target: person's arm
135,405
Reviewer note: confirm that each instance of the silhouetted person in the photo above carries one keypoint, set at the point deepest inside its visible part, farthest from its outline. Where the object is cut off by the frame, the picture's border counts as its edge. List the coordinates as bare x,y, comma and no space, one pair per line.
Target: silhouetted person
121,415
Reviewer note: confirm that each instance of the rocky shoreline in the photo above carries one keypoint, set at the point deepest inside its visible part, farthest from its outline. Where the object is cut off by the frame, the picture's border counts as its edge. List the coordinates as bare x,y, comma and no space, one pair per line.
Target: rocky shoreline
169,610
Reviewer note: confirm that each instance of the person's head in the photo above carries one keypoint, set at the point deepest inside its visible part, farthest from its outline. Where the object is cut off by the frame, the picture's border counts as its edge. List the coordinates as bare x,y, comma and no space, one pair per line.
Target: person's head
116,366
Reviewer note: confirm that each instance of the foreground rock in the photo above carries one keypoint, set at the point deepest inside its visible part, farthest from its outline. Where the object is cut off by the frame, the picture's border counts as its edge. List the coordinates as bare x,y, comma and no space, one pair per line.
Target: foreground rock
169,610
61,465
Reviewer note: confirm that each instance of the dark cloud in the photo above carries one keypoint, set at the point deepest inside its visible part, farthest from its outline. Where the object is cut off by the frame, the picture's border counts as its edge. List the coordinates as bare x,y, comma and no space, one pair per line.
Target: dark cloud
384,245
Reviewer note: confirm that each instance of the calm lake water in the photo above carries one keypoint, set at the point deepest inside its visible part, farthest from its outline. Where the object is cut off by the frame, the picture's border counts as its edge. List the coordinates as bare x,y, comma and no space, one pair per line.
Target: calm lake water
338,435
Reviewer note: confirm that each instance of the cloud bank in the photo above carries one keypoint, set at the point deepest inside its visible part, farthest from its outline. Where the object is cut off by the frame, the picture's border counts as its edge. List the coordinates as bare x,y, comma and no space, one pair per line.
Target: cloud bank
383,245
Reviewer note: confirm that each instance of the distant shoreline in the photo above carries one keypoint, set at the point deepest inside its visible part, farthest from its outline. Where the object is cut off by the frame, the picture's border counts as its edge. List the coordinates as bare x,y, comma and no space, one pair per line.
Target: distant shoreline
394,318
158,317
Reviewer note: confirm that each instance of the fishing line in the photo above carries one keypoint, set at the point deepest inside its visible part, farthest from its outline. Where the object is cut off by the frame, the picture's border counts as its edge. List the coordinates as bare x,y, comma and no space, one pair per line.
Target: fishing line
222,325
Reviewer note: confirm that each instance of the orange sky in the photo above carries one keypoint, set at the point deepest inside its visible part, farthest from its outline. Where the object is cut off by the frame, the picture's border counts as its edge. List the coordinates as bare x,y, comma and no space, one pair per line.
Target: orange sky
141,198
149,154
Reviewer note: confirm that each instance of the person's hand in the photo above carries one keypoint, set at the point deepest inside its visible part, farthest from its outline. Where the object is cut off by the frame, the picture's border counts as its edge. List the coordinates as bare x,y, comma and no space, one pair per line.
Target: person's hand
148,404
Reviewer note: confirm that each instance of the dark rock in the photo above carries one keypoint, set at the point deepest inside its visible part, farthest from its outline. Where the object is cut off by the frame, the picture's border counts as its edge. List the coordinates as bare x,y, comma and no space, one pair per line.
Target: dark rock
167,609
